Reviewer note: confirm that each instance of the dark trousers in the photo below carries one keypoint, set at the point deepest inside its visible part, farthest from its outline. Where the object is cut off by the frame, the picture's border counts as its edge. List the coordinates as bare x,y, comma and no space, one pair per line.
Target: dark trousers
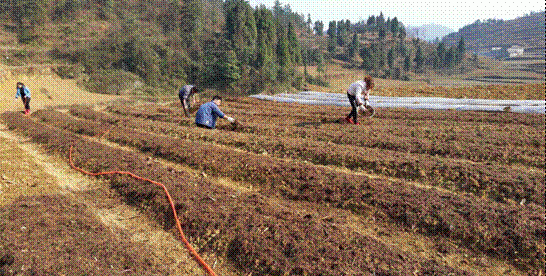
26,102
203,126
354,113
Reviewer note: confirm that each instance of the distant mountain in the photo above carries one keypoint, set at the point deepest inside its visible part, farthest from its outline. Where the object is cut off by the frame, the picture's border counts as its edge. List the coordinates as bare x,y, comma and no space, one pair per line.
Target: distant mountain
526,31
429,32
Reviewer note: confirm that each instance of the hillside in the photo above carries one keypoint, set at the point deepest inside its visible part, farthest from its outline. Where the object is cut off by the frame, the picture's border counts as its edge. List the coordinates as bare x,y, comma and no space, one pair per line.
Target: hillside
526,31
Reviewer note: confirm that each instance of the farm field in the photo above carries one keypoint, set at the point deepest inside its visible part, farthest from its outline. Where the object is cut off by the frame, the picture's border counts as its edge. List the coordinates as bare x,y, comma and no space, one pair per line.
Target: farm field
289,191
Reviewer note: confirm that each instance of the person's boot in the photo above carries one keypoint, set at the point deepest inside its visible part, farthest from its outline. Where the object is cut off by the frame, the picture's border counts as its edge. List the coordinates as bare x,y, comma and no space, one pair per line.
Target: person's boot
357,123
27,111
349,120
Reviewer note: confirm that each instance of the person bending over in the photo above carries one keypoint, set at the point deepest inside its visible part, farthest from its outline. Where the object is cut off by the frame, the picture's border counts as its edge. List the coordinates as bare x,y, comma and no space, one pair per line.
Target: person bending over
355,92
24,93
187,97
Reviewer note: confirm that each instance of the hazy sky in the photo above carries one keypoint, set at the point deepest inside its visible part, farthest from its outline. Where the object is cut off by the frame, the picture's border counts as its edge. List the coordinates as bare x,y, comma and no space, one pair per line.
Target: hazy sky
450,13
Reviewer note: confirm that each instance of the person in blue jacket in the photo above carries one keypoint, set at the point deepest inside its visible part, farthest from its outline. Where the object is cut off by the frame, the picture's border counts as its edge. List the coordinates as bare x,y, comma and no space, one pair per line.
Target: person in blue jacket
24,93
208,113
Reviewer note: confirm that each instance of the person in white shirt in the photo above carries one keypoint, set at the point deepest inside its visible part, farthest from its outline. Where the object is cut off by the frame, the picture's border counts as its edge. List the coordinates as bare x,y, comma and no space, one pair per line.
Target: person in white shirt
355,92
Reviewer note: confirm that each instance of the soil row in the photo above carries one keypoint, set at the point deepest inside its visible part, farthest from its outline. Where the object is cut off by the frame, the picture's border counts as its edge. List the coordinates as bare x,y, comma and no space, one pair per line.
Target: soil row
522,146
506,231
256,235
535,120
48,235
493,181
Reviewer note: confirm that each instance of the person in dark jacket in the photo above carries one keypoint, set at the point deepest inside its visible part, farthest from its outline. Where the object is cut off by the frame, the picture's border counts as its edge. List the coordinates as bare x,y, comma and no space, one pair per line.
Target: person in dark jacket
208,113
24,93
187,97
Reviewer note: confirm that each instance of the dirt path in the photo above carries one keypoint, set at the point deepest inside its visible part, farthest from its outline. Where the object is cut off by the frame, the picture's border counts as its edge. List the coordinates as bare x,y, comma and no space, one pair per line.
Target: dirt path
26,170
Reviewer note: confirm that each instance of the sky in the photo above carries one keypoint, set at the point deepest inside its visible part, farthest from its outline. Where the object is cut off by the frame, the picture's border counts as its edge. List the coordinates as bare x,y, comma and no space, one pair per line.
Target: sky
450,13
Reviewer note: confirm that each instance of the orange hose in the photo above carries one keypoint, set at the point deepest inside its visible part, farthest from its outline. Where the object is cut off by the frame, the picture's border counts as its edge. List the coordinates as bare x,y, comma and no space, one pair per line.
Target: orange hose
194,253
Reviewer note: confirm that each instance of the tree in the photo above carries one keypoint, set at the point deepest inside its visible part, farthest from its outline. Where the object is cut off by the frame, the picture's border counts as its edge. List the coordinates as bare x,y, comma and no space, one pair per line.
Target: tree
241,28
353,48
283,51
266,23
460,50
264,51
367,58
394,26
419,58
407,63
228,69
189,23
294,48
380,20
319,28
309,22
371,20
332,29
441,52
402,33
331,44
390,58
341,33
382,33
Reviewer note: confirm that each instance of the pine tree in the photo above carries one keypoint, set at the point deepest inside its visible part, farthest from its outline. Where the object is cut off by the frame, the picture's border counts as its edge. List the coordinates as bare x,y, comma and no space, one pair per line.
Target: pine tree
390,58
319,28
441,52
283,51
394,26
353,48
332,29
419,58
460,51
295,51
241,28
407,63
382,33
402,32
341,33
264,51
189,23
367,58
371,20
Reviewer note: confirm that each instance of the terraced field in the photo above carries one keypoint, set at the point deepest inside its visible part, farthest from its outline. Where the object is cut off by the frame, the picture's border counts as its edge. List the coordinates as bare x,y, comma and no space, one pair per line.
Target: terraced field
288,191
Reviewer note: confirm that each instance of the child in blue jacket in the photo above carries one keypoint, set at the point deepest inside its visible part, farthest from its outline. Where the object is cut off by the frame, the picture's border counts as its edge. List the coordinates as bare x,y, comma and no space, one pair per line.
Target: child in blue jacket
24,93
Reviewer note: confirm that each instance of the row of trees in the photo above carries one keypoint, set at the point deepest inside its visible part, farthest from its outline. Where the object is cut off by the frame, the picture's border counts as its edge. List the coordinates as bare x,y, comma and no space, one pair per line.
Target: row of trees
224,44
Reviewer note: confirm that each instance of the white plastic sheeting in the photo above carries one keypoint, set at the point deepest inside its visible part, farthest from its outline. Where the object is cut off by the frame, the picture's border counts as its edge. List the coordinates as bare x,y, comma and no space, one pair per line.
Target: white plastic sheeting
435,103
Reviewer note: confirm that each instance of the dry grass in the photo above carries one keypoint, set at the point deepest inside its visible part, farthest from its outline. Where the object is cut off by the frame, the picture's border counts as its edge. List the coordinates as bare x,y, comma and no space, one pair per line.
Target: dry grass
452,86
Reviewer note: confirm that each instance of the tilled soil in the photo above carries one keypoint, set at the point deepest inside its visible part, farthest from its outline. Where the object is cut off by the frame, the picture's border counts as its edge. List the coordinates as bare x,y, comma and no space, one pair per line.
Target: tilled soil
49,235
293,221
255,235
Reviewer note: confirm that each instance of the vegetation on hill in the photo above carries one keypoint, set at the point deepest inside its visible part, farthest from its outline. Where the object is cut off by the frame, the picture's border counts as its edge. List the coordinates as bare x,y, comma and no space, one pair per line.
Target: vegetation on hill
120,47
526,31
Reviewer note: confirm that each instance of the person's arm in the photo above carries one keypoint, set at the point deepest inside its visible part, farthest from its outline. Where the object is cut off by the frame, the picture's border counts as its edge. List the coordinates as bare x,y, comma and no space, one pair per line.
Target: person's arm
366,97
18,94
27,92
220,114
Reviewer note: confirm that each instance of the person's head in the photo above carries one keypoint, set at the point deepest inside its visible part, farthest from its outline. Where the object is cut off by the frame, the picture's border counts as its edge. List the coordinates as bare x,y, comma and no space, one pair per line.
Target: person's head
369,82
20,85
217,100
